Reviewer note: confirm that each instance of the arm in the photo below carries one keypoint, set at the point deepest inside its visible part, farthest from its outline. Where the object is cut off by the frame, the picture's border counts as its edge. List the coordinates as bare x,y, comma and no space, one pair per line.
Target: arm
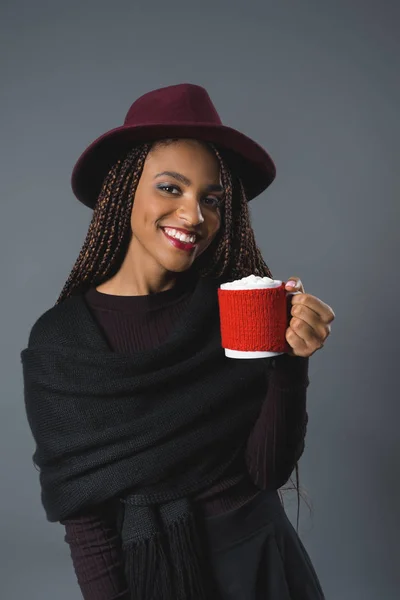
91,534
277,440
96,555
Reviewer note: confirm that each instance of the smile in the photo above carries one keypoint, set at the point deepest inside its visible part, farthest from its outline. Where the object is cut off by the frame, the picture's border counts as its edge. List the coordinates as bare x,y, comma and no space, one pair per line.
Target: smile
183,242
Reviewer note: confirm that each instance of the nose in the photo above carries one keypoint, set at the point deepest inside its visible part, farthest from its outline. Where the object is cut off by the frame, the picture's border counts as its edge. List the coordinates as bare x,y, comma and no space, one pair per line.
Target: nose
190,212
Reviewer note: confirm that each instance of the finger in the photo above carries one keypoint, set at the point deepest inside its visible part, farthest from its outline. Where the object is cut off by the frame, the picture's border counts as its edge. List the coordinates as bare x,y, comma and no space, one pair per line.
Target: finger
311,337
297,287
297,344
318,306
310,317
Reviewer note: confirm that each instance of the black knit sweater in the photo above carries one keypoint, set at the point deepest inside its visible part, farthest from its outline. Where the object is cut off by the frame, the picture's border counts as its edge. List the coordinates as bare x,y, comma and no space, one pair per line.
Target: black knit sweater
134,323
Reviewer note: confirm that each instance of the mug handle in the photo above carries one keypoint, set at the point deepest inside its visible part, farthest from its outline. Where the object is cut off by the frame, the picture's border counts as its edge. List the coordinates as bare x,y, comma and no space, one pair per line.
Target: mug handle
288,304
289,307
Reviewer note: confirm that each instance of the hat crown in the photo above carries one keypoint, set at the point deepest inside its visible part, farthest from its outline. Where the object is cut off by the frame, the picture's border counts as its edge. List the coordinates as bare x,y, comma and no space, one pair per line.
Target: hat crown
183,103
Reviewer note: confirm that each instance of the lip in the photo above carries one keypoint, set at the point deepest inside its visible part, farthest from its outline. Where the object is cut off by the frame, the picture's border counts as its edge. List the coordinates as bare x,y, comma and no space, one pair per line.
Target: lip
185,231
177,243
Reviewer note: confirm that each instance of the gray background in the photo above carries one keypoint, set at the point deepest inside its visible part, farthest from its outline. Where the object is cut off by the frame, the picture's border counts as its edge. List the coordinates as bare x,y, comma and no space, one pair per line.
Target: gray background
316,83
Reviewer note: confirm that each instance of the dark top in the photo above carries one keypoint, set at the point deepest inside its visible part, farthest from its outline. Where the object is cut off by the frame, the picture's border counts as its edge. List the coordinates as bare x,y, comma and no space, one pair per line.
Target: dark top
134,323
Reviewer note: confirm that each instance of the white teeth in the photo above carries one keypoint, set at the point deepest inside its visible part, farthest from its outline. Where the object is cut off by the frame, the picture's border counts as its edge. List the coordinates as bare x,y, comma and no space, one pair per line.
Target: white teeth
180,236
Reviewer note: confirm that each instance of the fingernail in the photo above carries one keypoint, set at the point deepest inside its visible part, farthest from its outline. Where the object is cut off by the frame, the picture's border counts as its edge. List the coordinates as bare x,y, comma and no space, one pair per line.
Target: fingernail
291,283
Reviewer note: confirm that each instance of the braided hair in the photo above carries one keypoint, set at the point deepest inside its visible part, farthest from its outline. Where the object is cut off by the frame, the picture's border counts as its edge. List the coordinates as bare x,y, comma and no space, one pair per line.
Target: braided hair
233,253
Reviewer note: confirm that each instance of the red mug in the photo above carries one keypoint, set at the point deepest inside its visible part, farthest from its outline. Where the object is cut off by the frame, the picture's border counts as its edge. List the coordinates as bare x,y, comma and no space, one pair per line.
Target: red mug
254,319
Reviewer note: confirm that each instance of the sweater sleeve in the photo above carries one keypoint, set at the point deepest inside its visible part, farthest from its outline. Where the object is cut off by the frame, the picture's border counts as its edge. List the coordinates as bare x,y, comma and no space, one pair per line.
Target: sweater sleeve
277,439
96,555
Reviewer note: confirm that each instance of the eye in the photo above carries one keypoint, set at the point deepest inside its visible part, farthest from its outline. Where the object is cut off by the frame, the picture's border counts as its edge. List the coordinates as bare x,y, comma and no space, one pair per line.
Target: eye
167,188
215,201
212,201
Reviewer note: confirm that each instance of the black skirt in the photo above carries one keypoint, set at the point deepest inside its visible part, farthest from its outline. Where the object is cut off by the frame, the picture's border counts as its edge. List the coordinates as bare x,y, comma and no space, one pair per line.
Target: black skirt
256,554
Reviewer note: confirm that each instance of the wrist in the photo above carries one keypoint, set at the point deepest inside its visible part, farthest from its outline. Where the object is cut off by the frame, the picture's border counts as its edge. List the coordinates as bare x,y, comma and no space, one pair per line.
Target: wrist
289,371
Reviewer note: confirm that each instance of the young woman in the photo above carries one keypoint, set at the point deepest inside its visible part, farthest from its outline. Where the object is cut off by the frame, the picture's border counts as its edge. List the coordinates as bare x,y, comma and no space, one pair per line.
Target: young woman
161,456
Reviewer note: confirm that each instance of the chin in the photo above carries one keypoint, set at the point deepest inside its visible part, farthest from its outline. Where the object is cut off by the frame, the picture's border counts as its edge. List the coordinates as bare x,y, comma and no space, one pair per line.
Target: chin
177,266
181,269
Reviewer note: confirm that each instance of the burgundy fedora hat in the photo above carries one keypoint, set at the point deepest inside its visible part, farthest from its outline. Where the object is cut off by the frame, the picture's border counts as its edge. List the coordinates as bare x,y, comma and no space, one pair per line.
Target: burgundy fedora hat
178,111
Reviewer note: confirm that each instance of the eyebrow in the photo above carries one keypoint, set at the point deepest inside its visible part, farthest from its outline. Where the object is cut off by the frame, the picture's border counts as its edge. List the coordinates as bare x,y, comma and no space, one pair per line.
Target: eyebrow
210,188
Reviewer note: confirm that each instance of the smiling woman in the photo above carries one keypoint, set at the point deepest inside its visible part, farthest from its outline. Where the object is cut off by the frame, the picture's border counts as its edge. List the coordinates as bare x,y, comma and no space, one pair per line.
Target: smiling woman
155,257
161,456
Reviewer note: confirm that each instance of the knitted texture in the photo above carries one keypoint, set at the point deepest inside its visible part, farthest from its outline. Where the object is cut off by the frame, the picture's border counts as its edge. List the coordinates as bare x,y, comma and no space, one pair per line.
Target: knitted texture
135,323
254,320
153,429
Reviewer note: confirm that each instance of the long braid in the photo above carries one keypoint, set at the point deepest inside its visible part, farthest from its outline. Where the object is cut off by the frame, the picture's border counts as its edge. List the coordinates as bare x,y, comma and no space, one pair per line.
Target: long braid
215,260
233,254
109,230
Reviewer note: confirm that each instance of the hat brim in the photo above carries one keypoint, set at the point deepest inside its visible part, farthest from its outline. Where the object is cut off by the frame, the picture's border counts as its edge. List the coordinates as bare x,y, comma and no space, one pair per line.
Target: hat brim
245,157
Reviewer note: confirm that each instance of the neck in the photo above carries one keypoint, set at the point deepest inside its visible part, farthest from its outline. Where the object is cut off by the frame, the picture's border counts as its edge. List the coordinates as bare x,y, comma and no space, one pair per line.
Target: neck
139,279
122,286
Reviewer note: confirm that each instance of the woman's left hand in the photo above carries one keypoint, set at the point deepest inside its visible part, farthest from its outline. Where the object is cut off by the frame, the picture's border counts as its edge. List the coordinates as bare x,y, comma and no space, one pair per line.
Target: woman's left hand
309,326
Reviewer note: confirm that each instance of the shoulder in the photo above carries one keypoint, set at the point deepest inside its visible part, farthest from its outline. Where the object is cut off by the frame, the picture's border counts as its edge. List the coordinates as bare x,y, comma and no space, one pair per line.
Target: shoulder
52,326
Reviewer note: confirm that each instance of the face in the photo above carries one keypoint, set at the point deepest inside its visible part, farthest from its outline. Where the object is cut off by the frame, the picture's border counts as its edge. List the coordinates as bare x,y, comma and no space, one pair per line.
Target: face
179,193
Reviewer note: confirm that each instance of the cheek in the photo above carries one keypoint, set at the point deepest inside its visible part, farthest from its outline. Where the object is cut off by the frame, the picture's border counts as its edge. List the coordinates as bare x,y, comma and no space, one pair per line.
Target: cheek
213,220
215,224
213,229
136,221
143,215
133,215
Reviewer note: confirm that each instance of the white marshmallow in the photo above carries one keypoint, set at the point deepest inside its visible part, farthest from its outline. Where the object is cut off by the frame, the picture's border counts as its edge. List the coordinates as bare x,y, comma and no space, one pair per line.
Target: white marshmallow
251,282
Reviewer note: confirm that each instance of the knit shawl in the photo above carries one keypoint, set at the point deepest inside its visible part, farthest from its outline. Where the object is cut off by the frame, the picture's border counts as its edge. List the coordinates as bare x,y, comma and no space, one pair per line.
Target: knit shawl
150,430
